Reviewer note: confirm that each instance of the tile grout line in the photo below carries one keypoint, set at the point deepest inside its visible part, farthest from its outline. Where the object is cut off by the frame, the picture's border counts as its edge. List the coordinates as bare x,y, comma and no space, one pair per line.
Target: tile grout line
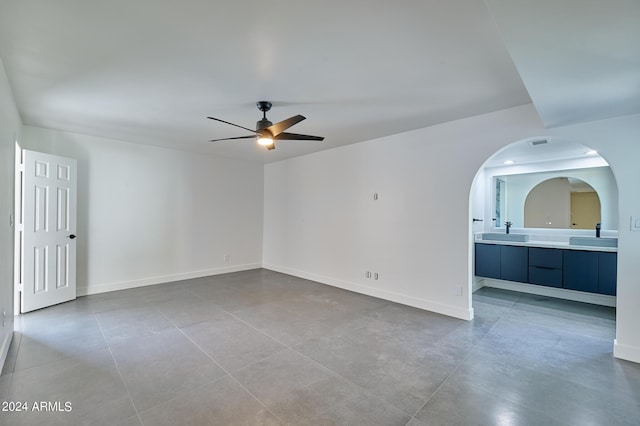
222,368
501,316
233,378
324,367
594,388
115,363
460,363
286,347
256,329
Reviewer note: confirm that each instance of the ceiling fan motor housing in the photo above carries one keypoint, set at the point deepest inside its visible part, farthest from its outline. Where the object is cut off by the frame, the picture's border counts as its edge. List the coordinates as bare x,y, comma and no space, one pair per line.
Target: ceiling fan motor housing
263,124
263,106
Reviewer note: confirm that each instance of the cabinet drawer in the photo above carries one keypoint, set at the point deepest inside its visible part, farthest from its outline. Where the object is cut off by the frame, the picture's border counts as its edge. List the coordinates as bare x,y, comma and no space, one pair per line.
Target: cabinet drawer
545,258
545,276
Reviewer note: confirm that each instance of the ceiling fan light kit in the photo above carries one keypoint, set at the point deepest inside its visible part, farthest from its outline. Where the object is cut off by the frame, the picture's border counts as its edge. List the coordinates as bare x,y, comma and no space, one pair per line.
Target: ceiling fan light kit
266,133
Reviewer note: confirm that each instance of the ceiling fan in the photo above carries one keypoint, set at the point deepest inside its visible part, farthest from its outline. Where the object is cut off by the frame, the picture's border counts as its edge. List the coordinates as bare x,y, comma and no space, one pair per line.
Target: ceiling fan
266,133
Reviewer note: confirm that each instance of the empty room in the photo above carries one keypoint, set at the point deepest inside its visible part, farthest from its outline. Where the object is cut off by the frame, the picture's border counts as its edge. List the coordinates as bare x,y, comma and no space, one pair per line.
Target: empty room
355,213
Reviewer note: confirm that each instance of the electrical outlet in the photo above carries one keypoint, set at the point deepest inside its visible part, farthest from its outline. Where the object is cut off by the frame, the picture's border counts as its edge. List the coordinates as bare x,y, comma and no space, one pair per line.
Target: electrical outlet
226,257
376,276
459,290
367,274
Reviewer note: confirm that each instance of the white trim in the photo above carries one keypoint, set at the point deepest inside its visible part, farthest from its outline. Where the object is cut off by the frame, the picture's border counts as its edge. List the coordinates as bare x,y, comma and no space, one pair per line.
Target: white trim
6,343
476,284
123,285
629,353
427,305
560,293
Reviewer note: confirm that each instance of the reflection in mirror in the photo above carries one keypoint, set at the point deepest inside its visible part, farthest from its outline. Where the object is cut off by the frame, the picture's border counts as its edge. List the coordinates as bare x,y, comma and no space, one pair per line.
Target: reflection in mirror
562,203
501,195
593,187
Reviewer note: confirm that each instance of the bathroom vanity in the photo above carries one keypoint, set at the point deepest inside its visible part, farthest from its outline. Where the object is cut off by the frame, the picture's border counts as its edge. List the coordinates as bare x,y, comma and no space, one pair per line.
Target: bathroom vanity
572,267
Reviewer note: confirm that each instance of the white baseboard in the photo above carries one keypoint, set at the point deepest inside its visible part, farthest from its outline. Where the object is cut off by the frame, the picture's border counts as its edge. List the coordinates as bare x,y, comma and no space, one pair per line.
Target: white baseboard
123,285
6,342
629,353
476,284
427,305
559,293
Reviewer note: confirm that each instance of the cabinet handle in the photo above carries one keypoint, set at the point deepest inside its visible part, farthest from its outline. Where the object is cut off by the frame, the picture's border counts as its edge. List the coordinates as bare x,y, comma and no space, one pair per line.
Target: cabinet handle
544,267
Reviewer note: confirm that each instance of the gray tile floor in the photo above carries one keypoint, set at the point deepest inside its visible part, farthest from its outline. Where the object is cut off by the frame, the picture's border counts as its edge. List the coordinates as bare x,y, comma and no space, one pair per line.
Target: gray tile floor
259,347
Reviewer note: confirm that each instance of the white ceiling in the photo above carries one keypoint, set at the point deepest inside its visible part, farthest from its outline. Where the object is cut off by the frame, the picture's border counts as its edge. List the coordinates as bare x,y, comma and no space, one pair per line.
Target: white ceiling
150,71
535,150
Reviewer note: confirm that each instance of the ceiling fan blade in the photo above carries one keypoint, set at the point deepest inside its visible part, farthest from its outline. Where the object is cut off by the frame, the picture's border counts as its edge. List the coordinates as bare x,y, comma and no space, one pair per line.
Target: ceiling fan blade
236,125
237,137
276,129
297,137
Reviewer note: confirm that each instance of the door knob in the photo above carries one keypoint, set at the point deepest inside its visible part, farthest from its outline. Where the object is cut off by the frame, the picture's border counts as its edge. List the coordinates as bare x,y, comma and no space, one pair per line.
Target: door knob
72,236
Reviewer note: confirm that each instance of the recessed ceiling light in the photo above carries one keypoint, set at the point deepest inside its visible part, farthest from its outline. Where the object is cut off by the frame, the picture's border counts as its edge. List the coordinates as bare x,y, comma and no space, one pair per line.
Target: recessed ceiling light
509,162
591,152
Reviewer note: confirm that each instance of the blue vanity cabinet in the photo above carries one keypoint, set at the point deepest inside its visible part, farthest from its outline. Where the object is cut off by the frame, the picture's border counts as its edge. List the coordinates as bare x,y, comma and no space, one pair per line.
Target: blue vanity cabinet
487,260
607,273
545,266
590,271
513,263
580,270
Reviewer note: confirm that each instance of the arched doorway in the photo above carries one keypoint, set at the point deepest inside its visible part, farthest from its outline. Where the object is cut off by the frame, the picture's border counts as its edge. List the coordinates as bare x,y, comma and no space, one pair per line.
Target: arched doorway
504,183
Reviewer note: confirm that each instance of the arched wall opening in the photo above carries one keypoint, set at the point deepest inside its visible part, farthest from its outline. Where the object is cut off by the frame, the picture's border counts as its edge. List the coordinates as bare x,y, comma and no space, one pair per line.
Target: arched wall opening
564,159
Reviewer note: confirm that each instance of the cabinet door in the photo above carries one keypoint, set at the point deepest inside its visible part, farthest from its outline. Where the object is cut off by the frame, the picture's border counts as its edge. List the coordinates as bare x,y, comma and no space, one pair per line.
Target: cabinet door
514,263
488,260
580,270
607,273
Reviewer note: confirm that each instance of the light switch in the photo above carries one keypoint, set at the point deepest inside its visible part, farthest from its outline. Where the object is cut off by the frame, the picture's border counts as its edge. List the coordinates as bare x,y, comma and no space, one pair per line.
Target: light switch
635,223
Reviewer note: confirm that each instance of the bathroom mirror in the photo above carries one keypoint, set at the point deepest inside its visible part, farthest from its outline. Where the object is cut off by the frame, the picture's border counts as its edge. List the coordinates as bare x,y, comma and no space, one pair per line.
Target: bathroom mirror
566,199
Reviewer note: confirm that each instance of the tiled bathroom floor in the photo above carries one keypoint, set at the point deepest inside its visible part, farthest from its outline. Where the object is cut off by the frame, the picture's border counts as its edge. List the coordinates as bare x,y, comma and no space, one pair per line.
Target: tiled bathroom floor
263,348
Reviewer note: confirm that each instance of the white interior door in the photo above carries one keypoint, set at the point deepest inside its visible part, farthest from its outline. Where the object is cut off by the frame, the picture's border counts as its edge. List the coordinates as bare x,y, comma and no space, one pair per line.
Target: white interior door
49,226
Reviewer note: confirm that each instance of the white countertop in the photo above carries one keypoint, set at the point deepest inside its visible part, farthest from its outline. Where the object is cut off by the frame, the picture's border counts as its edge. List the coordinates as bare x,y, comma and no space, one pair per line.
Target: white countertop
545,244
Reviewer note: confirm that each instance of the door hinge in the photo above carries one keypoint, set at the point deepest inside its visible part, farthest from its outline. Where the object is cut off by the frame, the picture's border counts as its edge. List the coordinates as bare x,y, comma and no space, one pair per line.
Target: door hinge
20,287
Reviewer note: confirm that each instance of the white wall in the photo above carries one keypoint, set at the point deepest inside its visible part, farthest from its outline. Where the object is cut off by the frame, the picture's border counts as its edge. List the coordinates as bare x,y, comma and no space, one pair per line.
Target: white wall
618,141
10,126
322,223
148,215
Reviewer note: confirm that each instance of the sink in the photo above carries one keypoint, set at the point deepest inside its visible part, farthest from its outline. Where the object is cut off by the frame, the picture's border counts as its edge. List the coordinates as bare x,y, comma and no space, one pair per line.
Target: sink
593,241
494,236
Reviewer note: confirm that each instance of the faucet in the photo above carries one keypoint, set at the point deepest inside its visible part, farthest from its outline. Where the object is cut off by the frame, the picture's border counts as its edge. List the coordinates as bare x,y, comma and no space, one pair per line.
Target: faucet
508,225
598,227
